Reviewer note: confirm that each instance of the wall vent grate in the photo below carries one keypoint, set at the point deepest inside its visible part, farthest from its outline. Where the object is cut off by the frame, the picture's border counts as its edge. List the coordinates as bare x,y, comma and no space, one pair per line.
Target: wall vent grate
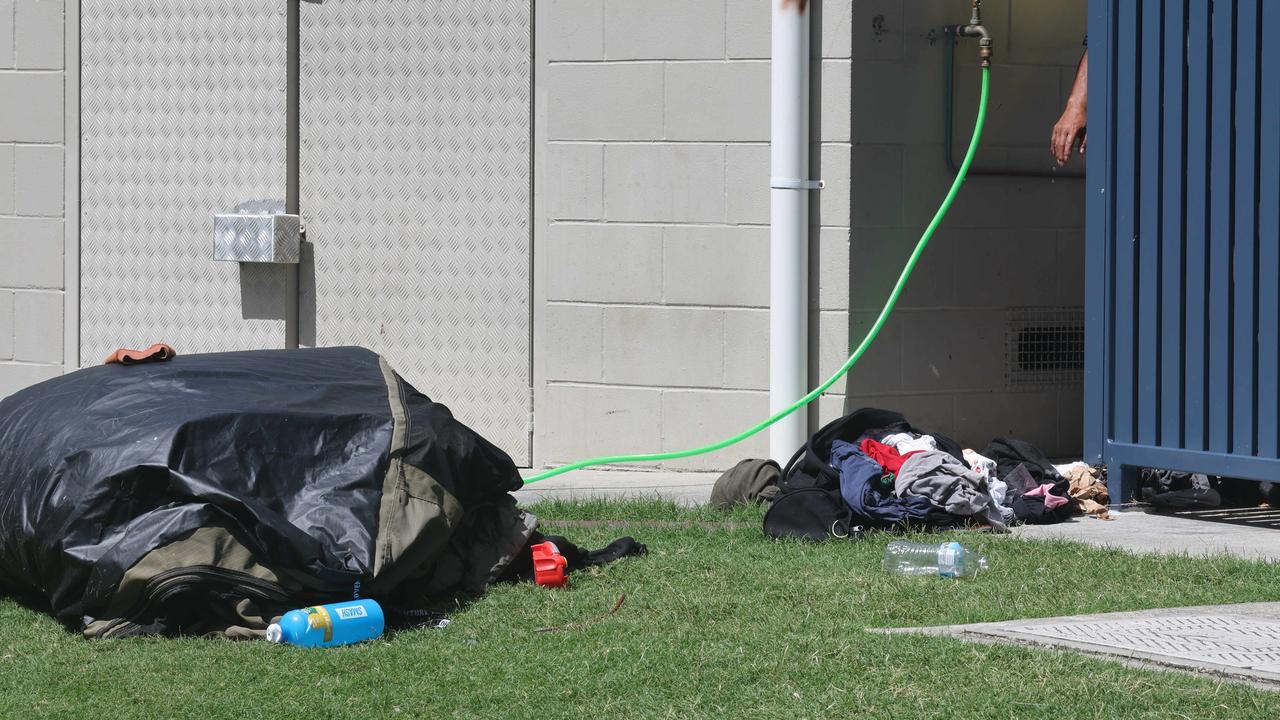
1044,347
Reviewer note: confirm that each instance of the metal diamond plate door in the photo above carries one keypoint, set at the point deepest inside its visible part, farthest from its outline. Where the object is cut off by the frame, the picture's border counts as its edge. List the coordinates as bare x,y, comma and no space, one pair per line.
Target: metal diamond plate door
414,185
183,115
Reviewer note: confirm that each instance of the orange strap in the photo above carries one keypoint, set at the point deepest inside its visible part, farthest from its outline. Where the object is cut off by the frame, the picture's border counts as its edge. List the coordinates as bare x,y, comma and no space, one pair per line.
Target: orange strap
156,353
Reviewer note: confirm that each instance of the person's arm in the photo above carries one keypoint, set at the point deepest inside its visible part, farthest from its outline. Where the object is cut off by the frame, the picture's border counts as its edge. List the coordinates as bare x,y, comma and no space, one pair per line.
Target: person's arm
1070,128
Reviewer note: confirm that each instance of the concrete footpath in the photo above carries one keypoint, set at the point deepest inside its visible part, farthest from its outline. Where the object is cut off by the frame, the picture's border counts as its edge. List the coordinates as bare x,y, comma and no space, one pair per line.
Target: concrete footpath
1138,531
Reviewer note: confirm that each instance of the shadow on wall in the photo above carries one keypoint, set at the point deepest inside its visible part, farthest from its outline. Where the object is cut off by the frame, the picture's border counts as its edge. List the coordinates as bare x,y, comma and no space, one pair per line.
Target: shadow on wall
1009,256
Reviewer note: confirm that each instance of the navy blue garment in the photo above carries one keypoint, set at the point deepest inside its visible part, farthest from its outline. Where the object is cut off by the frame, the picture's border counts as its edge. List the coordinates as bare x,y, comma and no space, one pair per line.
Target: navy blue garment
873,502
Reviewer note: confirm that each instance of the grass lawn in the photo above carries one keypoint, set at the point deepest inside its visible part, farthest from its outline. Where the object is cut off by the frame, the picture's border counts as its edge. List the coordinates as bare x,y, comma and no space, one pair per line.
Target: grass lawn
718,622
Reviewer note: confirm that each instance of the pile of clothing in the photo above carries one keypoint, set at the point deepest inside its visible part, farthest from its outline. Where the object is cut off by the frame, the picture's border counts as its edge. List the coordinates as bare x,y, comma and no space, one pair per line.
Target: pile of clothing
1030,489
873,469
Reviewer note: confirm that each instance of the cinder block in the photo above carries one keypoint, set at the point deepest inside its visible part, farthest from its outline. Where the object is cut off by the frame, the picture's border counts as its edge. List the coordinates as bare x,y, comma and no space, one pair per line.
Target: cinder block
1030,416
1025,104
579,421
878,29
879,370
717,101
6,179
897,102
6,325
837,101
925,19
831,405
1047,33
6,34
837,30
15,376
982,201
32,252
1070,269
1070,423
571,30
38,34
833,269
747,183
604,263
876,258
32,111
948,350
663,29
692,418
876,196
574,181
1052,203
38,173
746,349
1006,267
748,31
575,342
716,266
680,347
604,101
835,170
37,327
665,183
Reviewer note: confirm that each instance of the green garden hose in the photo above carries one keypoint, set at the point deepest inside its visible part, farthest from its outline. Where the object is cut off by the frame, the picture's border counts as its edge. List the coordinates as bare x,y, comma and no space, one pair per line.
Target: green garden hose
848,364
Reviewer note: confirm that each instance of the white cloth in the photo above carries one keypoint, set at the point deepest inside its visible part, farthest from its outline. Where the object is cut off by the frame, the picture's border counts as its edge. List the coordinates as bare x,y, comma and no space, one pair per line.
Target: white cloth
1063,470
986,467
906,442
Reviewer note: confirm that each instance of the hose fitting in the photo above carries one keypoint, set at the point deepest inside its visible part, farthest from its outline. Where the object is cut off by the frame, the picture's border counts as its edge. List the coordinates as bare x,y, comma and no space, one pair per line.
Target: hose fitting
975,28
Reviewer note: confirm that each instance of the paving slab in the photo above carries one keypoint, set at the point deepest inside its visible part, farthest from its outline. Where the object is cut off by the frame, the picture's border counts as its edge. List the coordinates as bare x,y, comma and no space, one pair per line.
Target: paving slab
1239,642
686,488
1136,530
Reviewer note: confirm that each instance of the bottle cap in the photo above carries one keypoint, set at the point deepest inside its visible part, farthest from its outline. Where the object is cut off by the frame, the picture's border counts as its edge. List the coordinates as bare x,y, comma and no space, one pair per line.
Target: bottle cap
274,633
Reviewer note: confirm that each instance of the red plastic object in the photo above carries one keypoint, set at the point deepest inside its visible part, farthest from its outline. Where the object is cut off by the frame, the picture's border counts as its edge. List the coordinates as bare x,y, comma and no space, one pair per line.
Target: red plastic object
550,568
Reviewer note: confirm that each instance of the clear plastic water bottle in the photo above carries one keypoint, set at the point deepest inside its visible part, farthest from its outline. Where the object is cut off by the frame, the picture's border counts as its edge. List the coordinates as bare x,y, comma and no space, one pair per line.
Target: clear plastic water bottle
948,560
329,625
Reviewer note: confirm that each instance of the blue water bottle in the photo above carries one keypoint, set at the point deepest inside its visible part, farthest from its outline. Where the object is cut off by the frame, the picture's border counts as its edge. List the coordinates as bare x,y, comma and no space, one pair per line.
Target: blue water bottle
329,625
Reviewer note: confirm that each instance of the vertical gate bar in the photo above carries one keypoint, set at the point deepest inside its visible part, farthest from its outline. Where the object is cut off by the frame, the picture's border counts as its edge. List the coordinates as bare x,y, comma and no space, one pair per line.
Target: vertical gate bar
1171,228
1099,237
1195,231
1148,274
1269,234
1220,164
1244,331
1124,280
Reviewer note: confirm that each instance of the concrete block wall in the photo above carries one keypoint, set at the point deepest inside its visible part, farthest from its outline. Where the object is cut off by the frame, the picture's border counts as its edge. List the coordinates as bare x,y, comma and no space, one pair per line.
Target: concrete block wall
652,209
1008,242
32,147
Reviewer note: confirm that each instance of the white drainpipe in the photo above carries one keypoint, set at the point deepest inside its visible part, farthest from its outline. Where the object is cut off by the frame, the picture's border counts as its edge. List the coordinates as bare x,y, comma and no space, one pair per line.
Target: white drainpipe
789,225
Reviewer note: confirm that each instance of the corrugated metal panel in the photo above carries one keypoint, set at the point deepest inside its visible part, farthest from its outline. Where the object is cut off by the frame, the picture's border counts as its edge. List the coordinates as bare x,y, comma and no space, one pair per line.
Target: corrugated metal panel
1184,237
183,115
414,181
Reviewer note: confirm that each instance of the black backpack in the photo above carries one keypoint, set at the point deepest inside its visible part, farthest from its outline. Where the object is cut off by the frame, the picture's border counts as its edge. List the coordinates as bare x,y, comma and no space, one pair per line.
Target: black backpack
811,464
810,505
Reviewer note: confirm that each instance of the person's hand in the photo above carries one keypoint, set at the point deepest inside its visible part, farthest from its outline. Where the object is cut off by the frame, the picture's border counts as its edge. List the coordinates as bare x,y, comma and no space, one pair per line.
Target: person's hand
1069,130
798,3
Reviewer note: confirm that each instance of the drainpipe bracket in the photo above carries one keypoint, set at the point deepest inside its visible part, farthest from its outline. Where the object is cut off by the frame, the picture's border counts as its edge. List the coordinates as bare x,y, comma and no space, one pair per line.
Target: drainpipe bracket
796,184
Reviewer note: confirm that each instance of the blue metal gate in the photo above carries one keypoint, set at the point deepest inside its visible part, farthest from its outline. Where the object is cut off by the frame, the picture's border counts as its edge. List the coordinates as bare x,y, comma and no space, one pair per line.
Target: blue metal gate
1183,238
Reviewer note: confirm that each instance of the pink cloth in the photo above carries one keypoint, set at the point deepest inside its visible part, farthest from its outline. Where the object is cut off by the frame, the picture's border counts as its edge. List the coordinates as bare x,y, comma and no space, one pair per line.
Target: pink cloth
1051,501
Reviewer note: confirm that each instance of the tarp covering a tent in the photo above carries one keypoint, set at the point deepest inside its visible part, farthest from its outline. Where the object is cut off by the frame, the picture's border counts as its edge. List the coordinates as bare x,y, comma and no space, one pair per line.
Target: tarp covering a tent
211,492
